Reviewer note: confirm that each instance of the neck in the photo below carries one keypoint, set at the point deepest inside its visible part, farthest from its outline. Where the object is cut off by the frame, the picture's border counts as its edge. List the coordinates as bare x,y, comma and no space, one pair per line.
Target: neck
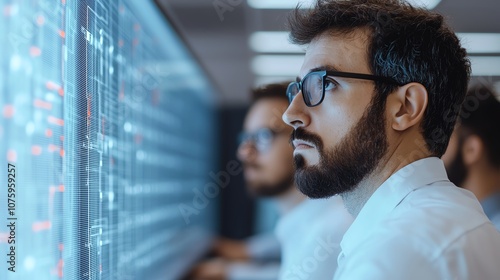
394,160
482,181
357,198
289,200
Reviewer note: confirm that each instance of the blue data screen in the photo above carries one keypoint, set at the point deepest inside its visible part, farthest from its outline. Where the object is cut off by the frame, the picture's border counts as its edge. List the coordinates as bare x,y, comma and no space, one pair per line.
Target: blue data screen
106,139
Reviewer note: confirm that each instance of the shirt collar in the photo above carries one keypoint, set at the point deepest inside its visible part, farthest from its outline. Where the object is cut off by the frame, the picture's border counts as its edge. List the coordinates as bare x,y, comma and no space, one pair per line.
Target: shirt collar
305,211
491,205
389,195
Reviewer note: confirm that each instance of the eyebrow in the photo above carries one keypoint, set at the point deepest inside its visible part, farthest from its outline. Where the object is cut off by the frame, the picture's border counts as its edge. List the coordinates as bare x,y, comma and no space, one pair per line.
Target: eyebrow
321,68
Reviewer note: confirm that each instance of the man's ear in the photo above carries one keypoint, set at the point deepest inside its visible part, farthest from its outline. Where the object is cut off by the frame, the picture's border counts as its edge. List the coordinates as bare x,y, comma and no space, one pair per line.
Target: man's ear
406,106
472,149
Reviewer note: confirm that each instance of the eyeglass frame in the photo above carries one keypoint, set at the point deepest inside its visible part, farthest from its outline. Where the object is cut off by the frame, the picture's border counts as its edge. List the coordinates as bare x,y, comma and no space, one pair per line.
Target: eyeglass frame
252,138
326,73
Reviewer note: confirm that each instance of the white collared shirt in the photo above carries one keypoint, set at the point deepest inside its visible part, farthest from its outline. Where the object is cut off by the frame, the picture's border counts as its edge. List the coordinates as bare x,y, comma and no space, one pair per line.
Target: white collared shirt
310,236
418,225
491,207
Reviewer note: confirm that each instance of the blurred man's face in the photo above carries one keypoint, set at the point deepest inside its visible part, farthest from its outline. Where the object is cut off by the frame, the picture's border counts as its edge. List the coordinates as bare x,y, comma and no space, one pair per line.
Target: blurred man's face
268,164
341,141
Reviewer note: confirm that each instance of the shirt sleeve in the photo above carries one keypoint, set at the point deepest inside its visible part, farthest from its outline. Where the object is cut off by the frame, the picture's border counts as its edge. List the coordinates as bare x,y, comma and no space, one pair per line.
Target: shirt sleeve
254,271
264,247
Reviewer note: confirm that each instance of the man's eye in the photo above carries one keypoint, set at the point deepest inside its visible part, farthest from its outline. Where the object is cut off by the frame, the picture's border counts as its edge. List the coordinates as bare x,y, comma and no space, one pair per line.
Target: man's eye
330,84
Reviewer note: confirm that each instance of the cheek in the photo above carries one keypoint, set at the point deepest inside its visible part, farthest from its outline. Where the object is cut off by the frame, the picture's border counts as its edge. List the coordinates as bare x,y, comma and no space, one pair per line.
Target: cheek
332,128
279,159
336,119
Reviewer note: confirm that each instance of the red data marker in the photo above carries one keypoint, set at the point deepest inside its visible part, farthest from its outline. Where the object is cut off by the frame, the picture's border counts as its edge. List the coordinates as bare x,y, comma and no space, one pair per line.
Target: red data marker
56,121
36,150
8,111
11,156
53,148
39,226
7,10
40,20
42,104
35,51
60,266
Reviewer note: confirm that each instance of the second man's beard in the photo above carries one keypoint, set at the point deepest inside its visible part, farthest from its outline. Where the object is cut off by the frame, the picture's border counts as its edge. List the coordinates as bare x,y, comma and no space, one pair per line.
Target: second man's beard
271,190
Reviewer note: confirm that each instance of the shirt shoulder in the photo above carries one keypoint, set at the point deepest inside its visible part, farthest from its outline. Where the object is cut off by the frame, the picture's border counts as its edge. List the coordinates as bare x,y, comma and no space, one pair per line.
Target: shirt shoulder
437,215
436,232
394,256
496,221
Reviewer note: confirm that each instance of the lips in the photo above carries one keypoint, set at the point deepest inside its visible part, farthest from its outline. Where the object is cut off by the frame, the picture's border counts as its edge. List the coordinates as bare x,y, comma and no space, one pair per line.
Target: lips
301,144
251,173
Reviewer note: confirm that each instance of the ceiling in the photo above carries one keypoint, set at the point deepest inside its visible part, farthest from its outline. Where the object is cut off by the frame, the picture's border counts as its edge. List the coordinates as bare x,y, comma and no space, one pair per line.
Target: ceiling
219,31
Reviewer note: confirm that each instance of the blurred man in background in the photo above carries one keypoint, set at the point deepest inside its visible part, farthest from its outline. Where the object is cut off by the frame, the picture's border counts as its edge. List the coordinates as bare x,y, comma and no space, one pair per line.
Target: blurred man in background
472,159
267,156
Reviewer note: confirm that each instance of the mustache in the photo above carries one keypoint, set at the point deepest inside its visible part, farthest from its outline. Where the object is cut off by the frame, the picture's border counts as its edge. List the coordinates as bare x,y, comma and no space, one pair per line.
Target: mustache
251,165
302,134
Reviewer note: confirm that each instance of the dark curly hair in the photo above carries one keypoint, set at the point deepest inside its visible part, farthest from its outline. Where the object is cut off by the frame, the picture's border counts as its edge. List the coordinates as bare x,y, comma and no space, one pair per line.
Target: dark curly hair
276,90
407,43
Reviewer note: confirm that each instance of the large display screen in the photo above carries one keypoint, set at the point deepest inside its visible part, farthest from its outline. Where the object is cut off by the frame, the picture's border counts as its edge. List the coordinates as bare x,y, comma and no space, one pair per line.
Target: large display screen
106,143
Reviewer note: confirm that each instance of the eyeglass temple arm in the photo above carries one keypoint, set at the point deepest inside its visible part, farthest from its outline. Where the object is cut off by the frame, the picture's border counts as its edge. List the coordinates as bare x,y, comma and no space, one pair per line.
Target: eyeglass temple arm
364,77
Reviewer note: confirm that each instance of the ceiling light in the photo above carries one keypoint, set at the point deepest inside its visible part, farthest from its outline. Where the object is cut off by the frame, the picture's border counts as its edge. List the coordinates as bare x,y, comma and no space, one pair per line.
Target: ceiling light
277,42
480,42
485,65
279,4
266,80
273,42
277,65
291,4
428,4
289,65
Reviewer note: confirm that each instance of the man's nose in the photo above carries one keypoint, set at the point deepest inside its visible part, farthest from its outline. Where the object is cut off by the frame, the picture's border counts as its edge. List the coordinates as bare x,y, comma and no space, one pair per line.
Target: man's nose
296,114
246,151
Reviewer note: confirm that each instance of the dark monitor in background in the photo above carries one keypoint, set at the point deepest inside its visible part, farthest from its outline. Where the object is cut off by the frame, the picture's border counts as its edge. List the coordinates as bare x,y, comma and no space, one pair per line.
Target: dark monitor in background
108,124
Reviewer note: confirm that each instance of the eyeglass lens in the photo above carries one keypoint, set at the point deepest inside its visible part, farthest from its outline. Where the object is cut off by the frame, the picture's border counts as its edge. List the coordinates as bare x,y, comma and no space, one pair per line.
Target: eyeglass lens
312,89
260,138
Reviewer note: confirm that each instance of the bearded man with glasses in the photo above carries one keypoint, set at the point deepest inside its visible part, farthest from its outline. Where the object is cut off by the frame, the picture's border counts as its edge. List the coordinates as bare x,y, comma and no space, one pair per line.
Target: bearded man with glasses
372,112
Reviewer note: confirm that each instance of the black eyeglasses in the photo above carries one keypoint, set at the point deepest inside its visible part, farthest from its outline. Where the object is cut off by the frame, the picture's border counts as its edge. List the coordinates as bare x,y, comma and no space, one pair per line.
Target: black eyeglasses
262,138
313,85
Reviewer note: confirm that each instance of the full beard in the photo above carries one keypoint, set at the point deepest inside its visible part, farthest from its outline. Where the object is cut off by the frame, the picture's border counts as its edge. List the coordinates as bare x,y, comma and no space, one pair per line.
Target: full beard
342,168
